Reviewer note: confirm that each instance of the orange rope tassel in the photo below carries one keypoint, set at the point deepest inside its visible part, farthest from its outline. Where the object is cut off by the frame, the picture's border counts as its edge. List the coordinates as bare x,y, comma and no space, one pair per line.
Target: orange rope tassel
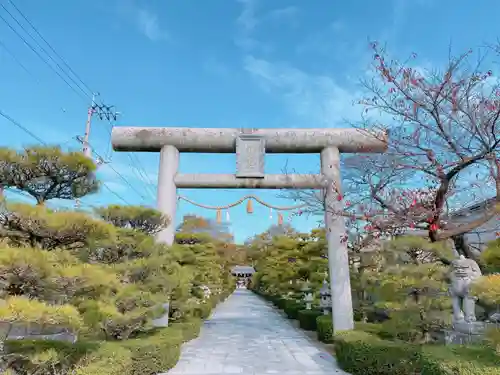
249,207
219,216
280,218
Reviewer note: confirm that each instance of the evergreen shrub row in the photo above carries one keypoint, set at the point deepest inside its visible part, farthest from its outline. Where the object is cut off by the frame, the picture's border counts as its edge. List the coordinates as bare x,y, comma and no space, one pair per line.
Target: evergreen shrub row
364,351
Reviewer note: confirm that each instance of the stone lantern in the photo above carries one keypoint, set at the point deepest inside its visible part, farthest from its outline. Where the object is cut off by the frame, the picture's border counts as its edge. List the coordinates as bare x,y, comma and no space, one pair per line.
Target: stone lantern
308,296
326,298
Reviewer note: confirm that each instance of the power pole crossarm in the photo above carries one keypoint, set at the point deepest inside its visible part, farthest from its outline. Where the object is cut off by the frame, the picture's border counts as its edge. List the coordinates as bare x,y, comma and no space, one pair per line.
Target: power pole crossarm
103,112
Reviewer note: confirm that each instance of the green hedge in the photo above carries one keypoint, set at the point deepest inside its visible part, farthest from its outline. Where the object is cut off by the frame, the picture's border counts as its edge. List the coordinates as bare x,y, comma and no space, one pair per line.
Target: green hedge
156,353
271,298
324,328
203,310
189,329
281,303
21,354
147,355
116,359
362,353
307,319
292,308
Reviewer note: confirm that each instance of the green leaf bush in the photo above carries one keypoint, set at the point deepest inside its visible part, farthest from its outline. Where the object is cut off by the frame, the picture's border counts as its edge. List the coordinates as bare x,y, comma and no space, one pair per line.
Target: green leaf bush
307,319
24,310
324,328
101,276
400,299
362,353
45,356
155,353
292,308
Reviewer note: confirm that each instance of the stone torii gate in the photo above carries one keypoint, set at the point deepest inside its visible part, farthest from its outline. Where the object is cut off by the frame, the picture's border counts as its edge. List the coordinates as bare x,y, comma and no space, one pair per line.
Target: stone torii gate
250,146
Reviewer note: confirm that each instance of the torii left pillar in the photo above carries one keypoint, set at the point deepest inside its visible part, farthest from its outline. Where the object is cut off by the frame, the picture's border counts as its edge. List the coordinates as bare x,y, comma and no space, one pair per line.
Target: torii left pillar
167,191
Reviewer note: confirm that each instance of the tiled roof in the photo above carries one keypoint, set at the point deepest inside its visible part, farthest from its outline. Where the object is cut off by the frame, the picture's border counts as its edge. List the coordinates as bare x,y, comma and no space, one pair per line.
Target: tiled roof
477,207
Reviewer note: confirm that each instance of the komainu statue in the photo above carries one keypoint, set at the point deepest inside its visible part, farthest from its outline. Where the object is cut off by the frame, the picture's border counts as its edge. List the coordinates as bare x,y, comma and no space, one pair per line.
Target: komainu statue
464,272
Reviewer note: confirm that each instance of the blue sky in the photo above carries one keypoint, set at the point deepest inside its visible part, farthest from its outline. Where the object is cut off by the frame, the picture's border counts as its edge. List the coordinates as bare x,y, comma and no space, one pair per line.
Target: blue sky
217,63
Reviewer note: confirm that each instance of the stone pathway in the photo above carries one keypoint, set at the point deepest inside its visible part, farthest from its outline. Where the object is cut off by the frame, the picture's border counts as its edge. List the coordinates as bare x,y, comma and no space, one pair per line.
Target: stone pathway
245,335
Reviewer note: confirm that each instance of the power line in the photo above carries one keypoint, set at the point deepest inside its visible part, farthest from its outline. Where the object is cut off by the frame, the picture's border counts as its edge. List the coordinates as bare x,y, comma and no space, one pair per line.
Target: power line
11,54
138,170
22,127
49,45
43,49
101,110
27,131
142,176
119,175
39,55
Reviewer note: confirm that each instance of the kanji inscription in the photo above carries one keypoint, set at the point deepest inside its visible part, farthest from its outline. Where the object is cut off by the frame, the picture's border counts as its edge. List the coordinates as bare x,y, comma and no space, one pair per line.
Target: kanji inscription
250,154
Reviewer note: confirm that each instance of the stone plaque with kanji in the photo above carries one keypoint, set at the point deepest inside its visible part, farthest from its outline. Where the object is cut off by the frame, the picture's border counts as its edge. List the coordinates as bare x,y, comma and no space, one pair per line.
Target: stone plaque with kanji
250,153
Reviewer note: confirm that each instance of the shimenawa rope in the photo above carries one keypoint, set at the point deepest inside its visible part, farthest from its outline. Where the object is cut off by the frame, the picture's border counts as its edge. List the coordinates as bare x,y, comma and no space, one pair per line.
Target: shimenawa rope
249,206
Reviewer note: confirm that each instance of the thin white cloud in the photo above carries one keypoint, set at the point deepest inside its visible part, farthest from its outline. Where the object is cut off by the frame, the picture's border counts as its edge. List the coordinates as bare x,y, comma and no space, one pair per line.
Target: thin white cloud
317,99
402,11
145,20
247,22
250,18
149,25
247,19
289,13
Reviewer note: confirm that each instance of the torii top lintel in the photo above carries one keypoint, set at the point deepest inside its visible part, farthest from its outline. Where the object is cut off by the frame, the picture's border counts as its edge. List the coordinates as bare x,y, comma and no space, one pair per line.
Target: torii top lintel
223,140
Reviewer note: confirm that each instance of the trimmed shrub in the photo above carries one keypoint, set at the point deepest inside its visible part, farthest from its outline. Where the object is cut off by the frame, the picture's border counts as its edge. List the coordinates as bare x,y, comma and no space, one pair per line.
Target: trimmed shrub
273,299
307,319
156,353
110,358
373,328
80,358
324,328
362,353
459,360
190,329
202,311
33,356
292,309
281,303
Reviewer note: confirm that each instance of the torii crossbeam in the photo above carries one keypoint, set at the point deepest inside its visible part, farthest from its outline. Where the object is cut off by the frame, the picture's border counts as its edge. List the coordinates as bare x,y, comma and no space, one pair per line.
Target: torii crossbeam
250,146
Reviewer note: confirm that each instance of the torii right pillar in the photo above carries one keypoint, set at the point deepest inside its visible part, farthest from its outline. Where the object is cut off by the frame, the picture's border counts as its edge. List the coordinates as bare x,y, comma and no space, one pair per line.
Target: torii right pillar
338,258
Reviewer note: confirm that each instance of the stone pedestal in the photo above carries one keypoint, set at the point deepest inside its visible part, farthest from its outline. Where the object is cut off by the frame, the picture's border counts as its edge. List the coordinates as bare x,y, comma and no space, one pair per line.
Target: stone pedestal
463,333
35,332
163,320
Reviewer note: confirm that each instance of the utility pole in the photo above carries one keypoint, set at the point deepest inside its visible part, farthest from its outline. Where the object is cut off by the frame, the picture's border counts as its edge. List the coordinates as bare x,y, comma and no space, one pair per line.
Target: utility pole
86,146
103,112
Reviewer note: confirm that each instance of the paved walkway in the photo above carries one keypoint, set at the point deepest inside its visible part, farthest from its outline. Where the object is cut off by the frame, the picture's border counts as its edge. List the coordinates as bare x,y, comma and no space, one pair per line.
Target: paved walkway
245,335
